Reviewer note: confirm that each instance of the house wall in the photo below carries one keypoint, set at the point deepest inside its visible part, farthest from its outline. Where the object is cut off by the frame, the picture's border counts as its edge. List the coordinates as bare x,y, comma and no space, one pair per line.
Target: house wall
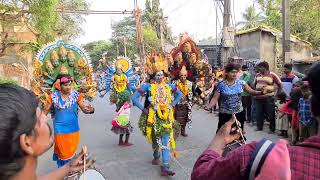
212,53
300,50
249,45
265,46
268,50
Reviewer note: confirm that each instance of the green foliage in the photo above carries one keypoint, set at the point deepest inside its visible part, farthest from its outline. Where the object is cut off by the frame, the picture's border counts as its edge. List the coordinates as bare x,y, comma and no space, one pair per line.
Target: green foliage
305,20
43,16
126,28
159,130
123,97
5,81
272,12
152,42
251,18
68,25
96,49
155,18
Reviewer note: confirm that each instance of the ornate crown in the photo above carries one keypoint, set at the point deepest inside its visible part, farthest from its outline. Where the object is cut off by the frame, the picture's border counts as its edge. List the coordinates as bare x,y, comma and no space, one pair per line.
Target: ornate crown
155,63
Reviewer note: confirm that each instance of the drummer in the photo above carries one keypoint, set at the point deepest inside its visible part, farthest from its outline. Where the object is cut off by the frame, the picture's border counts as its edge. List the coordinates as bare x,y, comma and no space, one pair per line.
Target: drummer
25,135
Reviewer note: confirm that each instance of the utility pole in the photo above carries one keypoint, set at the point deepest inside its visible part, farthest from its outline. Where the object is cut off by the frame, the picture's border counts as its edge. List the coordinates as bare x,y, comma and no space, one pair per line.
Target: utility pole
228,32
139,34
161,36
125,46
285,31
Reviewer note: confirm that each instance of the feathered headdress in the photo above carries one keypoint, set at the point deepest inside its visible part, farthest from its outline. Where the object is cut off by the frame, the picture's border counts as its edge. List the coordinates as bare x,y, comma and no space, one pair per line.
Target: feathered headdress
155,63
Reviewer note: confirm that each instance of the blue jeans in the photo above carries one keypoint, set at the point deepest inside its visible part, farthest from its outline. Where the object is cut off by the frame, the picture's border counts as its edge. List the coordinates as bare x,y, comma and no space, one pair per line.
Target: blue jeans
165,150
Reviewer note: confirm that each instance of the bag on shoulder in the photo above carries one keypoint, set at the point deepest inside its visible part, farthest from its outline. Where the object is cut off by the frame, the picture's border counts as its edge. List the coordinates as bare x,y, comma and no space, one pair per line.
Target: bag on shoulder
269,161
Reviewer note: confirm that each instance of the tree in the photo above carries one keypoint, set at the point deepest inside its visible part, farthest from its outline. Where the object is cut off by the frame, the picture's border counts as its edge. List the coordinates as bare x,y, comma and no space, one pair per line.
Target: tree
69,25
272,12
251,18
96,49
304,18
154,17
43,16
152,42
126,29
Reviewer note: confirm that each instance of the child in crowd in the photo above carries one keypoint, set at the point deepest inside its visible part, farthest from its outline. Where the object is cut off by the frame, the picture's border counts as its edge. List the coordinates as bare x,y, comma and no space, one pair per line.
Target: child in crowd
307,123
282,121
295,95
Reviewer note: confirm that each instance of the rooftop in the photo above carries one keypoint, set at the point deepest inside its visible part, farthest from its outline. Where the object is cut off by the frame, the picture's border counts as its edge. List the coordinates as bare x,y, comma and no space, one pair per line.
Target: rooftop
271,30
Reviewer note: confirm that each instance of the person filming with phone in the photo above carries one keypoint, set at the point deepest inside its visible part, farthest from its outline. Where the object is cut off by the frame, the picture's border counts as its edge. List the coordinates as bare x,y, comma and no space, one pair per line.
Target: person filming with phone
263,159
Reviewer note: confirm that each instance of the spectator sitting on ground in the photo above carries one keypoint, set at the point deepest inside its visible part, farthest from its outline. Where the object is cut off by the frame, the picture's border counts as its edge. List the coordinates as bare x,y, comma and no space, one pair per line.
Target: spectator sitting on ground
300,161
25,135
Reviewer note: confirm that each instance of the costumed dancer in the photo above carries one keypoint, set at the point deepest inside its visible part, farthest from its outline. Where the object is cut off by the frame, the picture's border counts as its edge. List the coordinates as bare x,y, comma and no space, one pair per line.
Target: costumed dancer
157,120
120,80
188,55
183,110
63,81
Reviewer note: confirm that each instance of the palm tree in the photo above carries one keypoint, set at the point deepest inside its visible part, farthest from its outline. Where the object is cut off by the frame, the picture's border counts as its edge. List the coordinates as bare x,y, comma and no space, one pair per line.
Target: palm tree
251,18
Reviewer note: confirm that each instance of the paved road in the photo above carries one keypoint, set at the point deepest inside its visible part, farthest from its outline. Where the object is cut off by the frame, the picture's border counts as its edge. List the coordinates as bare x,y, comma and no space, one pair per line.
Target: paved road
134,163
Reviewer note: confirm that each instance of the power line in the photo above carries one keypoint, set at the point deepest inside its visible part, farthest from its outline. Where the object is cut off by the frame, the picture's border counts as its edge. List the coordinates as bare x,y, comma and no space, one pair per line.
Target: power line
92,11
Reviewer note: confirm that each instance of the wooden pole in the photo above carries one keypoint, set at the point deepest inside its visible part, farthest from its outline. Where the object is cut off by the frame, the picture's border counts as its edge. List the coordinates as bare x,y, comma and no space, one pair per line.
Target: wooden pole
226,24
285,31
139,34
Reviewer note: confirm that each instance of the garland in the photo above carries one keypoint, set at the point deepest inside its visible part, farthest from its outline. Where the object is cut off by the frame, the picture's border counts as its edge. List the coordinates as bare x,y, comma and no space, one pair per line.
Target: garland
120,82
184,87
160,116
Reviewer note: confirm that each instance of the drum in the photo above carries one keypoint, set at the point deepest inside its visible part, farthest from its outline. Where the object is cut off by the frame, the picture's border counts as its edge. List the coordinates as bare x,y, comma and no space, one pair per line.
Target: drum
89,174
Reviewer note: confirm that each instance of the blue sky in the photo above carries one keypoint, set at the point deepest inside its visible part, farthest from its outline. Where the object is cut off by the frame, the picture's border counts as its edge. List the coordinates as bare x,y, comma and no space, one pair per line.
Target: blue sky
197,17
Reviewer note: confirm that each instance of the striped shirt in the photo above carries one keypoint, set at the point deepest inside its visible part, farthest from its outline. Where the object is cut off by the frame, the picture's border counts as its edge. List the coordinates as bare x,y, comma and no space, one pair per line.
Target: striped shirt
267,82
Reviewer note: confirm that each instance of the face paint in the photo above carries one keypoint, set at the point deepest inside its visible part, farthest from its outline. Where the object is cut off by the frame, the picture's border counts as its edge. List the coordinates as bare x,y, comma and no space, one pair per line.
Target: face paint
159,76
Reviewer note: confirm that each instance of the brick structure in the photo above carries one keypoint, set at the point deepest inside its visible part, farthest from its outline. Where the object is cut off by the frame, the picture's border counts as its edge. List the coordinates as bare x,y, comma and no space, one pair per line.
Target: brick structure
15,60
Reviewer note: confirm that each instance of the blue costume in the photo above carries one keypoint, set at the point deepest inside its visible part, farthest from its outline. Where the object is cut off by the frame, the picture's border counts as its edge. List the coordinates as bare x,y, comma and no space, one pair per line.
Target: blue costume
155,125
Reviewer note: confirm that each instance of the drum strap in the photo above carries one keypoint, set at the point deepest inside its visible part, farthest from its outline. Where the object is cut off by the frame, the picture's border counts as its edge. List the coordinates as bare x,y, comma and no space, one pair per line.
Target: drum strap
258,157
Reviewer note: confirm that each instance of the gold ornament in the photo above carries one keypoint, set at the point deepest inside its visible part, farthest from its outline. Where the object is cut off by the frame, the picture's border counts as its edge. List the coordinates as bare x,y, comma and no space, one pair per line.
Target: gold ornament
123,64
36,64
183,71
155,63
81,63
63,70
49,66
62,51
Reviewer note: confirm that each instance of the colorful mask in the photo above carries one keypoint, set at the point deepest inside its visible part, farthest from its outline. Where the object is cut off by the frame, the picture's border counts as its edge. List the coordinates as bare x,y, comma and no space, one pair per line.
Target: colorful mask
193,58
49,67
63,54
159,76
71,58
187,47
179,58
54,59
